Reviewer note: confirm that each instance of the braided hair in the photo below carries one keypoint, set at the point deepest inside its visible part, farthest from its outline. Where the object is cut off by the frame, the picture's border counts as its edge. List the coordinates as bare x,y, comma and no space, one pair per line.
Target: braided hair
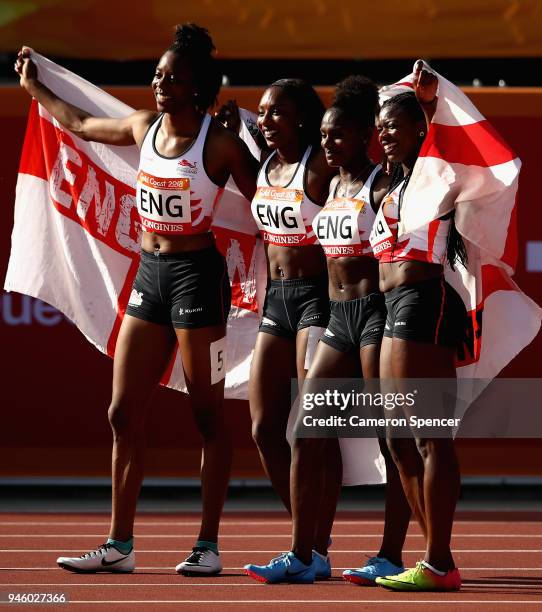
195,45
308,105
406,102
357,98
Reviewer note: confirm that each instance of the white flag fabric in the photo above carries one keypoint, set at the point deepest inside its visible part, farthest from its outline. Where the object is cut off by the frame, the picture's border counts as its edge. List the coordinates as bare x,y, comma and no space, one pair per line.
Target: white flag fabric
75,242
465,164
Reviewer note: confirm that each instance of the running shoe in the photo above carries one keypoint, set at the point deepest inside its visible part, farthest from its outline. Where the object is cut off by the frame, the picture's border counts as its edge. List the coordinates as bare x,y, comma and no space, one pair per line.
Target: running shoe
322,566
200,562
374,568
106,558
421,578
284,568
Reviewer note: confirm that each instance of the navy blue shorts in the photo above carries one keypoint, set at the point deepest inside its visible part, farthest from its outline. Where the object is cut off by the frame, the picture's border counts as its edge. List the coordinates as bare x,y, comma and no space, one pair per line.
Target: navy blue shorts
356,323
185,290
430,311
293,304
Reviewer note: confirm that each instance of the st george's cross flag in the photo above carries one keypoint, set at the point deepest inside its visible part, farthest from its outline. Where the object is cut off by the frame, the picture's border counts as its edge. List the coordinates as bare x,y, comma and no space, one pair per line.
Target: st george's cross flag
465,165
75,241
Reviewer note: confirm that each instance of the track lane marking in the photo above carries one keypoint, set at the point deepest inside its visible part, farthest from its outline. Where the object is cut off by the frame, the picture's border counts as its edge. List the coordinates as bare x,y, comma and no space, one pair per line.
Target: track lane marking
335,567
453,602
245,523
274,551
261,536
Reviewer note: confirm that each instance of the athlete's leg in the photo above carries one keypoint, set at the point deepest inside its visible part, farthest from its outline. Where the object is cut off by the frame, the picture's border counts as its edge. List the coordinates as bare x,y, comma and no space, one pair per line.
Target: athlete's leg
397,510
331,468
441,478
403,451
142,354
200,359
314,498
273,367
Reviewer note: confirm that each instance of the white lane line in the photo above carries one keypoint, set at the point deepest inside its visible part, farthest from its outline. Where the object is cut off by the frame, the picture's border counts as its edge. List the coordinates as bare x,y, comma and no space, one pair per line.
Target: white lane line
248,583
247,523
262,536
454,602
335,567
274,551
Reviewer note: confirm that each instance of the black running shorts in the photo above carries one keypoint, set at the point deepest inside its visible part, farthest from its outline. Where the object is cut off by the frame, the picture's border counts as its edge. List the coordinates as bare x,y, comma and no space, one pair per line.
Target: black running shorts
186,290
356,323
430,311
293,304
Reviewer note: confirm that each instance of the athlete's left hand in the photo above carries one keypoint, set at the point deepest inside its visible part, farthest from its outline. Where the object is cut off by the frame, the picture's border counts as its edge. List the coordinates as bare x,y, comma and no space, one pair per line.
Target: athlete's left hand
425,84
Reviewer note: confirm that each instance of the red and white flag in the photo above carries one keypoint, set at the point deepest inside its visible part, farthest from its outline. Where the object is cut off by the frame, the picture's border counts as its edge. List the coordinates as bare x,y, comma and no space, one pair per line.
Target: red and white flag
75,241
465,164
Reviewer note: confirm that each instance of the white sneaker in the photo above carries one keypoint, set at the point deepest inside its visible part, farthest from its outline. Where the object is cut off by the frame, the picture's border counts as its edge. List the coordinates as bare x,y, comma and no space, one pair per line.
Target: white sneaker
106,558
201,561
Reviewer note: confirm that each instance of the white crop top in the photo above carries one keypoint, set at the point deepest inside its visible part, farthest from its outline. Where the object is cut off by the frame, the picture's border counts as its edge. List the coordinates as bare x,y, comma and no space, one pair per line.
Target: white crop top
174,194
344,224
284,215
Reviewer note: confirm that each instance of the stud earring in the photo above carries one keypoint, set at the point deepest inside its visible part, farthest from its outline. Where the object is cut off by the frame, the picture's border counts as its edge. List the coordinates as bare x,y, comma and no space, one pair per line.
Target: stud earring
422,134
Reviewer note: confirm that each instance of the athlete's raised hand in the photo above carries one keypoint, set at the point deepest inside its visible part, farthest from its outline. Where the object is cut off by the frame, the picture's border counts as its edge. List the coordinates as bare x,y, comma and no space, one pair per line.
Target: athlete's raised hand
25,67
228,115
425,83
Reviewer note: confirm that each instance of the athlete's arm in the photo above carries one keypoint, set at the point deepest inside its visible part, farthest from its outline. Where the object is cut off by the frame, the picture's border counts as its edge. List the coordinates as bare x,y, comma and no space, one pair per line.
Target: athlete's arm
380,188
319,176
126,131
243,166
425,87
244,170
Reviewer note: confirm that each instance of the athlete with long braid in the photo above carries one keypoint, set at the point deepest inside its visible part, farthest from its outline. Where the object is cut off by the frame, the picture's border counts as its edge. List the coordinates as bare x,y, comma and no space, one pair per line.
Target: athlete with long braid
425,323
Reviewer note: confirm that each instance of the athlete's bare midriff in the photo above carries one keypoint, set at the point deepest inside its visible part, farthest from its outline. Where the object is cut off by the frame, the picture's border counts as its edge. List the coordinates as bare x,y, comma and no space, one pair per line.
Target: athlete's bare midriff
352,277
295,262
408,272
152,242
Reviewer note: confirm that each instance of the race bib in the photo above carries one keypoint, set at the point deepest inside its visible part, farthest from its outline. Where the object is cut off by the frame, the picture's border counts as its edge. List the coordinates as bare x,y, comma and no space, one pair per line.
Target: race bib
381,234
163,203
277,212
337,226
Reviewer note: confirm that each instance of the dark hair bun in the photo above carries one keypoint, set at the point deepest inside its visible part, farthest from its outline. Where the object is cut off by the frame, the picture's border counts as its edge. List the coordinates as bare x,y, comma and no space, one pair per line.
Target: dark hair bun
195,46
356,88
193,40
357,97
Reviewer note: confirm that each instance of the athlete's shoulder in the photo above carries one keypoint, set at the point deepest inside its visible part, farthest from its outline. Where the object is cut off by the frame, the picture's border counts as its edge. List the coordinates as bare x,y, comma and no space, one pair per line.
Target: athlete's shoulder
334,182
144,116
140,121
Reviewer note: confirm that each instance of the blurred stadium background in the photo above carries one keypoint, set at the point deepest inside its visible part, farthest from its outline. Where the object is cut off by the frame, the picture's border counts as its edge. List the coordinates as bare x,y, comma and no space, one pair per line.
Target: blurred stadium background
56,386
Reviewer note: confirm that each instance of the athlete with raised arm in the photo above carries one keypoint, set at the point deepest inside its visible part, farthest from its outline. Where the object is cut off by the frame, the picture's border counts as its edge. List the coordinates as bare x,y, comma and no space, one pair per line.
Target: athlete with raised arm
181,294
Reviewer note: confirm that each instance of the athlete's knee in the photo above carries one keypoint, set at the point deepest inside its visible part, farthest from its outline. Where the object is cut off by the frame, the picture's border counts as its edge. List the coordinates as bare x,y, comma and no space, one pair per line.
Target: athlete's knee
433,449
209,425
265,433
402,451
305,447
122,419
